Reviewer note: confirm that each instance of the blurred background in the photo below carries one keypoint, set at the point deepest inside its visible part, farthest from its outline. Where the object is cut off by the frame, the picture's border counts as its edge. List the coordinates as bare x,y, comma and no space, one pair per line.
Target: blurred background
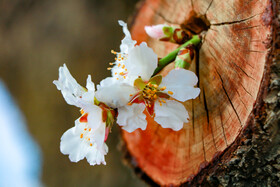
38,36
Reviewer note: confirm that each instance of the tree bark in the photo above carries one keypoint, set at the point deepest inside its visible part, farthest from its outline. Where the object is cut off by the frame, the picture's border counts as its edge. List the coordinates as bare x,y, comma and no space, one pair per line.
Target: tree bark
233,137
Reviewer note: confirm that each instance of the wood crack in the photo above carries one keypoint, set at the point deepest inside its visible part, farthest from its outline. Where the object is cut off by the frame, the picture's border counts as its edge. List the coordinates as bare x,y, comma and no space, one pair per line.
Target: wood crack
240,98
246,90
208,121
229,99
234,22
192,4
205,106
208,8
243,71
239,93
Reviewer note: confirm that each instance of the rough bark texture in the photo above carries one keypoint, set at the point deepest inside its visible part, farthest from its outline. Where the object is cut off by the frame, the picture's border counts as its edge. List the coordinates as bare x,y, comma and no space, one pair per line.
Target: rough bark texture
233,135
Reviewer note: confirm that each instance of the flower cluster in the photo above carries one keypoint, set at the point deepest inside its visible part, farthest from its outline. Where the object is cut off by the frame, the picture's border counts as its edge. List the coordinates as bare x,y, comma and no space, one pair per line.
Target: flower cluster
131,93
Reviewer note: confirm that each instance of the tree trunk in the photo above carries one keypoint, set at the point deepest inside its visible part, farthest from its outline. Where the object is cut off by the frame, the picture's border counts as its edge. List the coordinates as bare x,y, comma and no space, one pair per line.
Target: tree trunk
233,135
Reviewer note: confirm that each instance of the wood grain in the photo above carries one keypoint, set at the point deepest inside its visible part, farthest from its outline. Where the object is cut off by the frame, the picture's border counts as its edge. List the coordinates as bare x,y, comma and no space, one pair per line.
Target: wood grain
232,61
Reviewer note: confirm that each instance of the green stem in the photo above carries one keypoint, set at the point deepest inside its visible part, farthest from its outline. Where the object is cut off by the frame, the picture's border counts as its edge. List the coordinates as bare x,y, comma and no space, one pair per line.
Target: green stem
171,56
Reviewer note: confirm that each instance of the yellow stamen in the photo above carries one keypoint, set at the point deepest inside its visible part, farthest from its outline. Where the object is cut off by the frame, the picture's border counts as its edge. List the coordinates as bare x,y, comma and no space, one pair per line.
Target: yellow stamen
85,129
116,73
155,96
169,92
111,63
89,129
123,66
124,77
109,68
82,111
129,104
150,106
155,85
81,136
119,65
163,101
163,88
90,144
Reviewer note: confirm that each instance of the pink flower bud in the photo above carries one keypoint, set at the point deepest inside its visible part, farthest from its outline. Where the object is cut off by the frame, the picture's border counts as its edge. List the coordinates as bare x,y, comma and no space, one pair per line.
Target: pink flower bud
155,31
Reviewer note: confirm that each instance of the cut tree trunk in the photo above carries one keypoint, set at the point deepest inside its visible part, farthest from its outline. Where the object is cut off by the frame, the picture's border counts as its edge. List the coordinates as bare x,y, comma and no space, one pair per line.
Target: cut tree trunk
233,134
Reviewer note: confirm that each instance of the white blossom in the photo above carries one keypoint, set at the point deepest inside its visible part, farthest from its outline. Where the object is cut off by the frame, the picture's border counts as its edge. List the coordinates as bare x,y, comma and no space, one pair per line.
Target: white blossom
160,98
74,94
132,89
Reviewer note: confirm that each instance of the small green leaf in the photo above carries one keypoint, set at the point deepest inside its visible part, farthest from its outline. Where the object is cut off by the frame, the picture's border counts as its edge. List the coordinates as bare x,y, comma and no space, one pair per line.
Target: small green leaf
139,83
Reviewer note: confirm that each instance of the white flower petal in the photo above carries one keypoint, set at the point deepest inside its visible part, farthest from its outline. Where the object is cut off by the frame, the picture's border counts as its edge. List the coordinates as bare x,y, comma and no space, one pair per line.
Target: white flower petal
89,95
94,121
96,157
141,61
69,87
72,145
114,94
171,114
99,136
79,148
131,117
181,82
106,82
127,42
90,85
117,77
94,116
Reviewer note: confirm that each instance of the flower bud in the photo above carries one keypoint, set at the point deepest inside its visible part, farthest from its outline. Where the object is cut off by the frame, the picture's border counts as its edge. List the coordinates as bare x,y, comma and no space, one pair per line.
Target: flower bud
184,57
155,31
168,33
